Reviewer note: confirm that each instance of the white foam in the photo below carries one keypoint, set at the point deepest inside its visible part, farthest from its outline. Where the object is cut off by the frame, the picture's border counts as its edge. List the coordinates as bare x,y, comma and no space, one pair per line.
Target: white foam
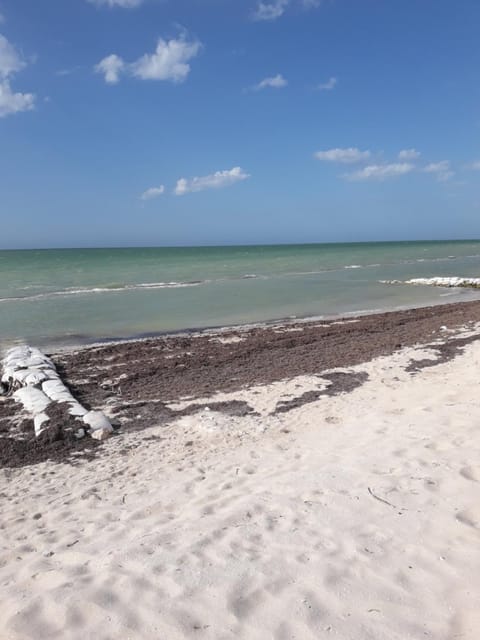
450,281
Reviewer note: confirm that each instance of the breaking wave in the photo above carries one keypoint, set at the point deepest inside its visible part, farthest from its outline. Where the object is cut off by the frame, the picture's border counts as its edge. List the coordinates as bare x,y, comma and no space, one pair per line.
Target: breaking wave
74,291
448,281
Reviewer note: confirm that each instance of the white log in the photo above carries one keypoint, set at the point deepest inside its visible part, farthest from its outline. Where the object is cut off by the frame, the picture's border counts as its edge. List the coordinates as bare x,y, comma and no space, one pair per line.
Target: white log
96,420
76,409
40,386
36,377
57,391
33,399
39,421
16,375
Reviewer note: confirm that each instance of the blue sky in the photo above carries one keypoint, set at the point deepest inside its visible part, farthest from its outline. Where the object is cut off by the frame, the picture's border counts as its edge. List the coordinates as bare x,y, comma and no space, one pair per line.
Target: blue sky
184,122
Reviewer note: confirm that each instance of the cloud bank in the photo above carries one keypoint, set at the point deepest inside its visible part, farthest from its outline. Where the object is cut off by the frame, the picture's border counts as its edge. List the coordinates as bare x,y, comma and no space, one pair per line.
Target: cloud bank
169,61
385,170
441,170
216,180
10,64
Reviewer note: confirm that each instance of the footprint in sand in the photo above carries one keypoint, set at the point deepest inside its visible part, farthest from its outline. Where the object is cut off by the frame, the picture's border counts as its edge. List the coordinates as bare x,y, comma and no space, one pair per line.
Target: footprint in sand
283,632
471,473
243,604
470,517
249,470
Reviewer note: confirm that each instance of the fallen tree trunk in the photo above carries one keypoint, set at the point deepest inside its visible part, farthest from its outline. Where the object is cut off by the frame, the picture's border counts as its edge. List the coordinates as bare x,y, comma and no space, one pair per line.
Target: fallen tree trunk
32,379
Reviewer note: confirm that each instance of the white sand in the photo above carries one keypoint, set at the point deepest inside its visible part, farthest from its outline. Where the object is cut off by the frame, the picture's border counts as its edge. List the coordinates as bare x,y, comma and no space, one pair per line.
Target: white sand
262,527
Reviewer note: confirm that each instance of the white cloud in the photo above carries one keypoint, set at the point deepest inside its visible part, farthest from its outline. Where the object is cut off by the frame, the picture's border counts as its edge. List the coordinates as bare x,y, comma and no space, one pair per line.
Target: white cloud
153,192
475,165
216,180
10,60
407,164
345,156
441,169
11,103
436,167
381,171
168,62
111,67
276,8
329,85
125,4
66,72
276,82
10,64
270,10
409,154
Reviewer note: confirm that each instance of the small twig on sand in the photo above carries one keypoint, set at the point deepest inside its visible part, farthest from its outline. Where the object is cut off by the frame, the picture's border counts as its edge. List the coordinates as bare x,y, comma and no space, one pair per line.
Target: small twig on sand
381,499
71,544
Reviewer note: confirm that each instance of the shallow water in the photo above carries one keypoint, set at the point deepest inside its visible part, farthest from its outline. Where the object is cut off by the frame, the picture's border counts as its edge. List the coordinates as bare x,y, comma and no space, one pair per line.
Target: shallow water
73,296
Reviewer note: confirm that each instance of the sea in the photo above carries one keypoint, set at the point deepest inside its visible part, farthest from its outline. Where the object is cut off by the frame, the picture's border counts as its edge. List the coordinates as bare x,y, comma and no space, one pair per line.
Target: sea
66,297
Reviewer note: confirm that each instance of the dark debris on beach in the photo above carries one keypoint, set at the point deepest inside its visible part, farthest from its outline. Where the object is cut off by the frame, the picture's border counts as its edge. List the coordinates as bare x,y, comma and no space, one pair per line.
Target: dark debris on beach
139,378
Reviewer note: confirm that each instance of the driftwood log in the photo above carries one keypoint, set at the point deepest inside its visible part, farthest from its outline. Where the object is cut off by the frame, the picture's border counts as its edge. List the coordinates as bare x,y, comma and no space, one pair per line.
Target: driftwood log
32,379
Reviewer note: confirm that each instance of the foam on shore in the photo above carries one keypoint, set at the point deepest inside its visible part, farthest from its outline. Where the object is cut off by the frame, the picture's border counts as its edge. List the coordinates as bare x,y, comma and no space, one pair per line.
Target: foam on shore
449,281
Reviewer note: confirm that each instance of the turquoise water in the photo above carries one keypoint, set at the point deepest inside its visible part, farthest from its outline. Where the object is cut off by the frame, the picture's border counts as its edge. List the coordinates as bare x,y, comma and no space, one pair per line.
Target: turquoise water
72,296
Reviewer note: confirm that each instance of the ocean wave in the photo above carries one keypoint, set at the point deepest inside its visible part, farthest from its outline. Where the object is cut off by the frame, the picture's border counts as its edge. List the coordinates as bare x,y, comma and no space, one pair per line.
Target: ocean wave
444,281
75,291
439,259
128,287
307,273
167,285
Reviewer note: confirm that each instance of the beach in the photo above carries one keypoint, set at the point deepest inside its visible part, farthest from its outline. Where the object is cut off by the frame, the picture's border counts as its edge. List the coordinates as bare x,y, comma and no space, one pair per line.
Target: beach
239,320
295,480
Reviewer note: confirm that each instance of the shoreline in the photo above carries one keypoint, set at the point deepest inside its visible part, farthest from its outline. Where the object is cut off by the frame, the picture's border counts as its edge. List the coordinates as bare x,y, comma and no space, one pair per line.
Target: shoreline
55,346
137,382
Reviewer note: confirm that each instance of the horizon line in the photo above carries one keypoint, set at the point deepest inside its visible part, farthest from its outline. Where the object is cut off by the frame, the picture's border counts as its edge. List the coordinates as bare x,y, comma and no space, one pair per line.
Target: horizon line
244,244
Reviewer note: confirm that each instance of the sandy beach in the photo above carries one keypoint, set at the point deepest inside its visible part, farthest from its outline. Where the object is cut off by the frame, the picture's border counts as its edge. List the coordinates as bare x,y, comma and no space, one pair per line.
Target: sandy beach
301,480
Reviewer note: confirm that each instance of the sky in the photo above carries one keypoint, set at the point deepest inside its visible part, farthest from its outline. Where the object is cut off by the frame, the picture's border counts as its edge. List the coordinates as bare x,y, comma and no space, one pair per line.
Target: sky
192,122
